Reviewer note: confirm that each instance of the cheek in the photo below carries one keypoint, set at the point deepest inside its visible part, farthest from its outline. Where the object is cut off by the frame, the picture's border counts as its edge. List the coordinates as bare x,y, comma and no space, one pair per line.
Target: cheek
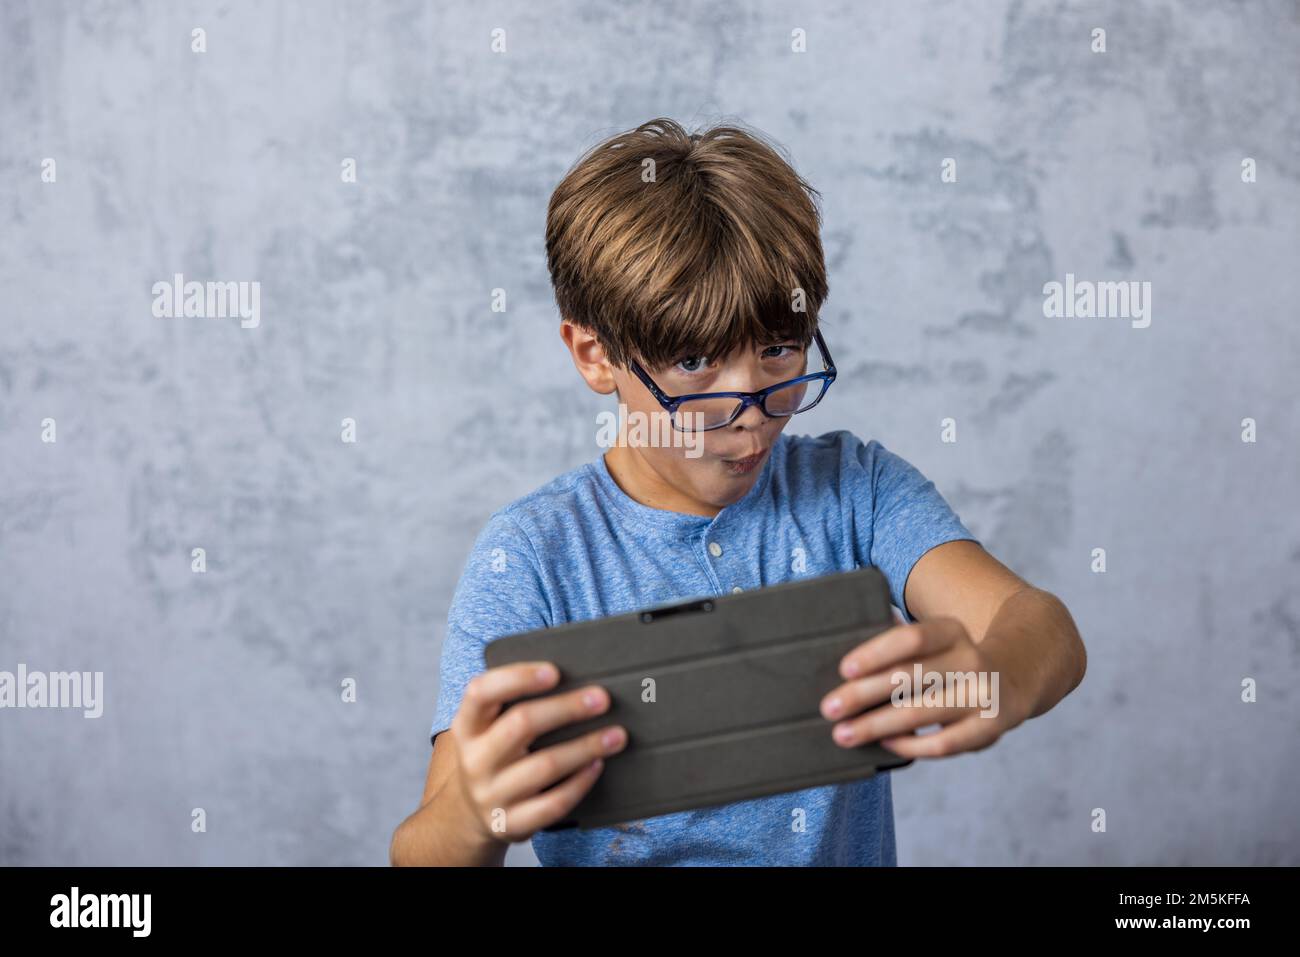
687,461
682,452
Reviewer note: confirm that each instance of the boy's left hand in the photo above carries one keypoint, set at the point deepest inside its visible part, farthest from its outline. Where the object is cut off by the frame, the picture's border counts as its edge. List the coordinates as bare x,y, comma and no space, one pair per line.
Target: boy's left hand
940,645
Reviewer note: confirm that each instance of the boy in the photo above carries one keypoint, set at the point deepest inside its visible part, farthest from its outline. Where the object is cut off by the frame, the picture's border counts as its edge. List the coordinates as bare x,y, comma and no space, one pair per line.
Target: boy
686,265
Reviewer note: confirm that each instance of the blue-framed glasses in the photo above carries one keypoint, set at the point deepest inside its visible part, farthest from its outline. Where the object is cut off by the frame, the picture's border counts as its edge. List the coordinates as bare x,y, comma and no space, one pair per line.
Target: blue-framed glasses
702,411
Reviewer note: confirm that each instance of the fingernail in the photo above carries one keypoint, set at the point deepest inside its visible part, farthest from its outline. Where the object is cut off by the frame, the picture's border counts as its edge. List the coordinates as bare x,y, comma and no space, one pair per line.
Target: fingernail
591,699
544,673
834,707
611,738
844,734
851,669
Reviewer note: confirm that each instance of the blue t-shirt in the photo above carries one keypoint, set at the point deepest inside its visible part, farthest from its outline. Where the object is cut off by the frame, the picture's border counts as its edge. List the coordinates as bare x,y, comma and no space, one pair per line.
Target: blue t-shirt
579,547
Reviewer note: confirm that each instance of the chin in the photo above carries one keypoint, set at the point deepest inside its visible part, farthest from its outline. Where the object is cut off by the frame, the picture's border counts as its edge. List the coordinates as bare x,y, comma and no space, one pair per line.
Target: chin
729,492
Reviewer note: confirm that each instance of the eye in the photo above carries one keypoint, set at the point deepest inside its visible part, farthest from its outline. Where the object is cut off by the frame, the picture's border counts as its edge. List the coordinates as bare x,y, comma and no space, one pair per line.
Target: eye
785,351
691,364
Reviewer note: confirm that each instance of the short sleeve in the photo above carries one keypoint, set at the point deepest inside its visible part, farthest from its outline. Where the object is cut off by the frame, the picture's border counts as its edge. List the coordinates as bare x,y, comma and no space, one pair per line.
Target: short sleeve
899,515
500,592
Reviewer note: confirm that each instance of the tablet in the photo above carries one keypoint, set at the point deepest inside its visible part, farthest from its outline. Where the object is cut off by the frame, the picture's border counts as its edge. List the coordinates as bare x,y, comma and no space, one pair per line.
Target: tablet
720,696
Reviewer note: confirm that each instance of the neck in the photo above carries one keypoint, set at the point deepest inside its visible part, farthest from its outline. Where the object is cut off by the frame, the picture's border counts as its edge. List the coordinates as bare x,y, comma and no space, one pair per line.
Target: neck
643,484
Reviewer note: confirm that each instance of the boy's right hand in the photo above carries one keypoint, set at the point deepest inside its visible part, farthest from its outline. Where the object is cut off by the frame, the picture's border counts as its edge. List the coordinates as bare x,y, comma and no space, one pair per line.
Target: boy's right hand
499,777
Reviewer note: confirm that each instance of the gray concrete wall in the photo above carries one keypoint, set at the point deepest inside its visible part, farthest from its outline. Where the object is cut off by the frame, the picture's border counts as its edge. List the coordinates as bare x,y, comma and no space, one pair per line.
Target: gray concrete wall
328,561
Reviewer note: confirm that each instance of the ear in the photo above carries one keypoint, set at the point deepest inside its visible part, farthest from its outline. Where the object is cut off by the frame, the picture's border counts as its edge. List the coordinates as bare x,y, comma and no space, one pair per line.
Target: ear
589,357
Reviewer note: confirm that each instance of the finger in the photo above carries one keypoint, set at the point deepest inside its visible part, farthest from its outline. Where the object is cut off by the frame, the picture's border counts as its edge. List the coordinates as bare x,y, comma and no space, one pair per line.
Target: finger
894,684
487,692
970,734
528,817
902,643
512,732
540,769
889,720
854,697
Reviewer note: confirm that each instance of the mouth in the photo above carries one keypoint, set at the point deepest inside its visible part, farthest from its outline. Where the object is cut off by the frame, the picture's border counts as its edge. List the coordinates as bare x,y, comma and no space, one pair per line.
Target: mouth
745,465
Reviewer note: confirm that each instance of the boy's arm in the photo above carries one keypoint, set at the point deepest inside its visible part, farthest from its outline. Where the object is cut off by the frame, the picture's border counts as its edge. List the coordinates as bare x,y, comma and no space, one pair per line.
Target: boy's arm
500,592
973,614
1026,632
967,615
485,770
443,831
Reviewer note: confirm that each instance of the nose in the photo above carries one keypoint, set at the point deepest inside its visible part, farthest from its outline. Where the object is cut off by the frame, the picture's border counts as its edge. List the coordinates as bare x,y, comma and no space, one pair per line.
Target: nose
749,420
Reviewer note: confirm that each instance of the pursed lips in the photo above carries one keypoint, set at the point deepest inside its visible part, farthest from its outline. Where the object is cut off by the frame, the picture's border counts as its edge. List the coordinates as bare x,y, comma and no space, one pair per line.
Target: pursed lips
747,459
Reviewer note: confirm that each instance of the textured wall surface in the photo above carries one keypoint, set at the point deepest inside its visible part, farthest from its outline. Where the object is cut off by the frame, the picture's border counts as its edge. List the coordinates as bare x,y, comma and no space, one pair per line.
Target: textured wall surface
329,560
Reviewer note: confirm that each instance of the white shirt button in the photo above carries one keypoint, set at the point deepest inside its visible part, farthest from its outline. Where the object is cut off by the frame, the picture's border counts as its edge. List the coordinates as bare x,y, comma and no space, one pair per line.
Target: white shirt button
715,549
737,589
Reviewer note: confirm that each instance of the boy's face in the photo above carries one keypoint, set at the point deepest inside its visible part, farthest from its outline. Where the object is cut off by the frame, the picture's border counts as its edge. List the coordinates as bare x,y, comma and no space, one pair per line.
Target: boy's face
703,472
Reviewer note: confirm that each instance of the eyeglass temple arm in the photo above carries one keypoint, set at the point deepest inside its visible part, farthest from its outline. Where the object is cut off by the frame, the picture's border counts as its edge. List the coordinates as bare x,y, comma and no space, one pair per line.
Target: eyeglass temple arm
663,398
821,344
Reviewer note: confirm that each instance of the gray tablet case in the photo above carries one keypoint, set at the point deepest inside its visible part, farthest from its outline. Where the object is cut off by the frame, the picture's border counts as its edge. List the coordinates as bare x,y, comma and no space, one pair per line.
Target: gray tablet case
720,696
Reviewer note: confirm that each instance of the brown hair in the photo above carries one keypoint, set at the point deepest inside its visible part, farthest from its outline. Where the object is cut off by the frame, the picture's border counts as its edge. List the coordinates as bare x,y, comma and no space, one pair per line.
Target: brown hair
702,259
